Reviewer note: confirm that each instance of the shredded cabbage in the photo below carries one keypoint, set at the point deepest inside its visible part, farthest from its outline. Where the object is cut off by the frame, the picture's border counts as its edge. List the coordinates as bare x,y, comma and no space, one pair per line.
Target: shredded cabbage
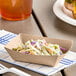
39,47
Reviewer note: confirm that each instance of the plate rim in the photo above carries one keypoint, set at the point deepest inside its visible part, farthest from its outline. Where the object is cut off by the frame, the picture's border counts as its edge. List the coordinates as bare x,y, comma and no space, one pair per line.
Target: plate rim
66,18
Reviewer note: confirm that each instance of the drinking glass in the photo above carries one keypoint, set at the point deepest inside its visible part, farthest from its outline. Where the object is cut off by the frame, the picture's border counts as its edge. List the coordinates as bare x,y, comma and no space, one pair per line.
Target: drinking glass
15,9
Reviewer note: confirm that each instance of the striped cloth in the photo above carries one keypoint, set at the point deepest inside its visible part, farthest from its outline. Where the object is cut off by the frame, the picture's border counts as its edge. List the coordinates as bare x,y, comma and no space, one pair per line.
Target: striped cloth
6,36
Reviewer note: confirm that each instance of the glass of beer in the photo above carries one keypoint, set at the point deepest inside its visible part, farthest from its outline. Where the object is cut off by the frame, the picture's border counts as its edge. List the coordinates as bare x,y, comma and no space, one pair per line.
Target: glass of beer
15,9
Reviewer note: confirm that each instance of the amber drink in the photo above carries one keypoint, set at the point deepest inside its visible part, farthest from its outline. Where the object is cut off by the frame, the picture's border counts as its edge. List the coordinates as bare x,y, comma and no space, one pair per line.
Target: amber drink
15,9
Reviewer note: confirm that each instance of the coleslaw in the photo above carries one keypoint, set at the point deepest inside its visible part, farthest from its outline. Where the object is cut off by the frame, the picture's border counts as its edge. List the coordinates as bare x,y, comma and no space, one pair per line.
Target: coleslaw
39,47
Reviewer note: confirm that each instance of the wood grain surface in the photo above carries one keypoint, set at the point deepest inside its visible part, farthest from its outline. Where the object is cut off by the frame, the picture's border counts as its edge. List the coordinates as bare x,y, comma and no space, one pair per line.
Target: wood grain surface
27,26
51,25
70,71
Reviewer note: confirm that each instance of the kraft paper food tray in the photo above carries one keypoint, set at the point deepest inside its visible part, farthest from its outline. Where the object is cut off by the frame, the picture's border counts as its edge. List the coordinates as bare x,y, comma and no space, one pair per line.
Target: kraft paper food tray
46,60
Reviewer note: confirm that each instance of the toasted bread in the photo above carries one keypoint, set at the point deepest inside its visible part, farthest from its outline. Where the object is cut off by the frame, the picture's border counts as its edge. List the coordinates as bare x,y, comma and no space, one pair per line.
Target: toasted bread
69,6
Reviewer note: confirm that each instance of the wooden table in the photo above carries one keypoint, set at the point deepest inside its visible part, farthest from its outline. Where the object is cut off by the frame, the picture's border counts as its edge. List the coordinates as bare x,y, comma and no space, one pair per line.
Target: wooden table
42,22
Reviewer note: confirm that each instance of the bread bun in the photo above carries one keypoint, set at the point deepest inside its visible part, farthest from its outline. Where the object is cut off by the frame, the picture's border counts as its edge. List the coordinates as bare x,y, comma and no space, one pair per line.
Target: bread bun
74,15
69,10
68,6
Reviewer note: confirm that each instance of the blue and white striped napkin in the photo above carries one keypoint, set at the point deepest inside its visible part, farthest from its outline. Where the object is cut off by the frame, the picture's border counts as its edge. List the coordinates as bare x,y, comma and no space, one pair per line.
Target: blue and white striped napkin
6,36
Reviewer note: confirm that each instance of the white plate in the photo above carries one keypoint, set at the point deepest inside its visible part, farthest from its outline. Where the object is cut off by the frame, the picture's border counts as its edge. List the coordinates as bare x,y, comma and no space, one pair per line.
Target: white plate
58,10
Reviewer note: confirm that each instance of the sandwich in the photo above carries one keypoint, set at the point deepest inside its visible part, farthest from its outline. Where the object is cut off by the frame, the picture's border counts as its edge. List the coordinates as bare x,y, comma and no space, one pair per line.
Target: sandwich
70,5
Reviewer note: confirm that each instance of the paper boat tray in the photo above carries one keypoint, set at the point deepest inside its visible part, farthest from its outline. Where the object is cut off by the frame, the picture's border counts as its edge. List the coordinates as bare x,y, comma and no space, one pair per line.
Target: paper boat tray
46,60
